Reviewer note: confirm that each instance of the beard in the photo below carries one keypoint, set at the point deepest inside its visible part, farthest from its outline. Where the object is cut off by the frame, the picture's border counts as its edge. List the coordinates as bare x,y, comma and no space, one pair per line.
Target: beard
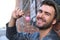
45,26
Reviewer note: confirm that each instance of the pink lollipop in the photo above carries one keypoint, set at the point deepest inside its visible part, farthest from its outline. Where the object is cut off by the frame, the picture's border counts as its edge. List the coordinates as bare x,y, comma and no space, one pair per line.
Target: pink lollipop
27,18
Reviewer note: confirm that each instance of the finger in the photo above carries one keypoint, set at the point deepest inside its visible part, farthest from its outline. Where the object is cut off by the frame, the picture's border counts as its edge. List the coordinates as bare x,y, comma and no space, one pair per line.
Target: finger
21,13
16,8
19,10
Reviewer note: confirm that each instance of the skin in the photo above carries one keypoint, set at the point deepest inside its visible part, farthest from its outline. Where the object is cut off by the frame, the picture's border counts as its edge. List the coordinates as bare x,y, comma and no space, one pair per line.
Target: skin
45,16
17,13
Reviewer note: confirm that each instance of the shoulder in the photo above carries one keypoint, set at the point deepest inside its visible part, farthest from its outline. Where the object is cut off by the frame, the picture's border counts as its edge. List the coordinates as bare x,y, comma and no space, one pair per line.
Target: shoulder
53,35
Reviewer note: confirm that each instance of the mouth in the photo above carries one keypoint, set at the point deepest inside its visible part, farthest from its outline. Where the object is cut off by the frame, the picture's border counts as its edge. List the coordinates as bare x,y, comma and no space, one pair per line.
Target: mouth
40,21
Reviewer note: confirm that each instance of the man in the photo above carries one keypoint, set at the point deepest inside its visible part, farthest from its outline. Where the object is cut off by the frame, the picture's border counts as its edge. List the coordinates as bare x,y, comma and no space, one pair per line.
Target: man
46,17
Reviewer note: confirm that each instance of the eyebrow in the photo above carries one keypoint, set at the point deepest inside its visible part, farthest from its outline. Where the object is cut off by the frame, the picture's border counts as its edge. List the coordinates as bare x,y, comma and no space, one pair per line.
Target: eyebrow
48,13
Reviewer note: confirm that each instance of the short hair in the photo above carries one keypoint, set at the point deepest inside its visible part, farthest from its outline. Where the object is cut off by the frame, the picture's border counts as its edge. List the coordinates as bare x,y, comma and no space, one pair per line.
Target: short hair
54,5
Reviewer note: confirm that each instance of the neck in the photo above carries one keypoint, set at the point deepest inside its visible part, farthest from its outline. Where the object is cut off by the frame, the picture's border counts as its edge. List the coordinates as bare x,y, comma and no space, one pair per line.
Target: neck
43,33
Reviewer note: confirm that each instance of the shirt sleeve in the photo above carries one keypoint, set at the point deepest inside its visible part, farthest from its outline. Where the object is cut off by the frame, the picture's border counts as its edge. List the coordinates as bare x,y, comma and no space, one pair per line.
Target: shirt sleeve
10,32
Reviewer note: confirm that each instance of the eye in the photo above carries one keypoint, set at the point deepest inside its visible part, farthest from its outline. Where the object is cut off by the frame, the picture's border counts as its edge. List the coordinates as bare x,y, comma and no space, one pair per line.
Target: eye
40,11
47,13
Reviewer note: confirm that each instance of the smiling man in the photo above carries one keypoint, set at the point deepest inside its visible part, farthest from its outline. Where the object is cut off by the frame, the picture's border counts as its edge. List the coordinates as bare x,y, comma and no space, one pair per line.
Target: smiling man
47,16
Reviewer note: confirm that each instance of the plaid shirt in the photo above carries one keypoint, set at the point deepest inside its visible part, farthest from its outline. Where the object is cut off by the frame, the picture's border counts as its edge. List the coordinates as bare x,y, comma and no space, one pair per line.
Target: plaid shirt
12,34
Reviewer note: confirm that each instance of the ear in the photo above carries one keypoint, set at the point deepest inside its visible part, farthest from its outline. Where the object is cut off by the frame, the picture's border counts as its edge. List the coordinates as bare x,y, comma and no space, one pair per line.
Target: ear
54,21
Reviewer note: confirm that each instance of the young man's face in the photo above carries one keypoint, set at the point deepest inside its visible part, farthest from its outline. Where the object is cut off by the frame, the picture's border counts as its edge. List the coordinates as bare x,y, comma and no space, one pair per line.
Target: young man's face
45,17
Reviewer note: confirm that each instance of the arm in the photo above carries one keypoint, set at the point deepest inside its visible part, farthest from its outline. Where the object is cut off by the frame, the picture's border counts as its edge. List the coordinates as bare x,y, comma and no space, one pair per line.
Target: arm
11,26
10,32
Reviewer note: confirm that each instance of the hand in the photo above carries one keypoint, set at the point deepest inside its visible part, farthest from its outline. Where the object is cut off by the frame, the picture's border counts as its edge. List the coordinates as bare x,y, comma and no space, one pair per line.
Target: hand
17,13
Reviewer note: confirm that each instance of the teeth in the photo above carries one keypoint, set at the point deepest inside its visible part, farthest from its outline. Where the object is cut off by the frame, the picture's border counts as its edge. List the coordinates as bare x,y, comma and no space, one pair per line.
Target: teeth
40,19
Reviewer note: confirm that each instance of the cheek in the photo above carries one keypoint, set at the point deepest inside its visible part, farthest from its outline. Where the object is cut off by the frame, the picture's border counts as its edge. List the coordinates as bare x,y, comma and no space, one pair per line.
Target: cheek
48,19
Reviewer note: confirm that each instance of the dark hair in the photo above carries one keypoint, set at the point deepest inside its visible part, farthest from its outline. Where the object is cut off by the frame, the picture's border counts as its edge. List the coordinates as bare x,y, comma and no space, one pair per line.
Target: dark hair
53,4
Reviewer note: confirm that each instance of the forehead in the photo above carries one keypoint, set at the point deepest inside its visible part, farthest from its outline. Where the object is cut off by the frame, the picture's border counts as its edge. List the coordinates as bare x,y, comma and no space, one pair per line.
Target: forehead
47,8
